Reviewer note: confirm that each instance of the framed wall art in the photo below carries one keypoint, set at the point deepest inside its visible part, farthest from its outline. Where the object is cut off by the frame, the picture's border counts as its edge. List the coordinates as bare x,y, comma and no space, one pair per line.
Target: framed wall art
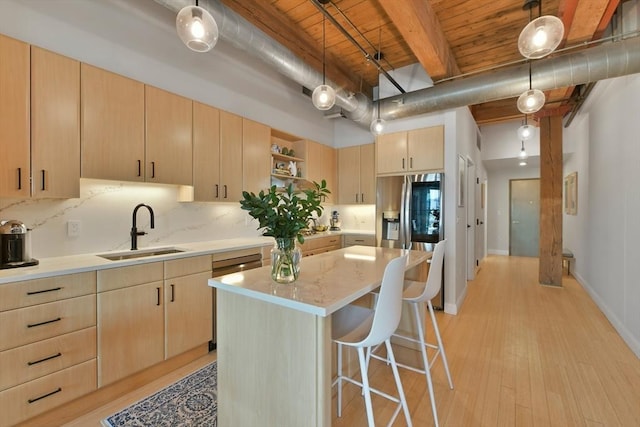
462,171
571,194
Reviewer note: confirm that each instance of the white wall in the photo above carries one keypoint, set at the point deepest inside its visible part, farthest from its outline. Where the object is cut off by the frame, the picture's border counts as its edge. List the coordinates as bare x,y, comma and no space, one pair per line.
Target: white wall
606,231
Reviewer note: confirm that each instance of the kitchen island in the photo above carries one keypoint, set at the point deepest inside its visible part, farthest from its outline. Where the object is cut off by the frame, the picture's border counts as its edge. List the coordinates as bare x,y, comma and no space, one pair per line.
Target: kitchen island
274,340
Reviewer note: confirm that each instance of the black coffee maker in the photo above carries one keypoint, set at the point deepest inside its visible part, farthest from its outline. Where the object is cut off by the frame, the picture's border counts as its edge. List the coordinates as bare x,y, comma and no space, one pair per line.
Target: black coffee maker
15,248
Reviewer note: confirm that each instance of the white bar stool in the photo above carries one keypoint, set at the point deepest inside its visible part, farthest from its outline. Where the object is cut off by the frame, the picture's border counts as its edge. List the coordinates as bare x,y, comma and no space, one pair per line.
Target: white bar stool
416,293
363,328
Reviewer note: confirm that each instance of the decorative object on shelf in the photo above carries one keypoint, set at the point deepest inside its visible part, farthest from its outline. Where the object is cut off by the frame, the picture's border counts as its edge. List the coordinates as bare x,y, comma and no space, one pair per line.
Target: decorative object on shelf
196,28
285,151
323,96
293,168
283,215
275,148
542,35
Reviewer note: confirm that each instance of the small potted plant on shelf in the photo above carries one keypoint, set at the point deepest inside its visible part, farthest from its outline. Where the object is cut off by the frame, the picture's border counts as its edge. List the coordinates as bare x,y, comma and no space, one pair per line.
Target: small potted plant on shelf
284,214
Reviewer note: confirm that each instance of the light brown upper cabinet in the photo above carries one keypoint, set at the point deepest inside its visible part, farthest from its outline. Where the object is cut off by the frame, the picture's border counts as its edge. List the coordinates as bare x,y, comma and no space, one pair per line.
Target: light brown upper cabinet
15,168
55,125
206,153
256,156
112,127
413,151
217,155
39,122
322,163
168,146
230,157
356,175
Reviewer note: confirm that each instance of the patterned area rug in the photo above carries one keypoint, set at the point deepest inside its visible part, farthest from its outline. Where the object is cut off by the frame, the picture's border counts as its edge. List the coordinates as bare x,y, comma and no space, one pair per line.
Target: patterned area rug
192,401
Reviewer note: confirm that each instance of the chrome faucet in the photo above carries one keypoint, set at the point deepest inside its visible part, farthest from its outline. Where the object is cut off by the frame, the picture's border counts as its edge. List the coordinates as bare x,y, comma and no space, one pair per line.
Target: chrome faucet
134,231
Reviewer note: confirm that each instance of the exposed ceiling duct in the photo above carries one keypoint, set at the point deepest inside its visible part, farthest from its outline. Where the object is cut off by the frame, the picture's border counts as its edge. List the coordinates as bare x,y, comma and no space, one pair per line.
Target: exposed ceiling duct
571,69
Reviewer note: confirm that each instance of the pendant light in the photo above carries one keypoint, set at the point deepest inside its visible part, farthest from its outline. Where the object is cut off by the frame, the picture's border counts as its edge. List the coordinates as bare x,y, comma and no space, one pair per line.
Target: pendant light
323,96
525,132
377,125
542,35
196,28
522,155
531,100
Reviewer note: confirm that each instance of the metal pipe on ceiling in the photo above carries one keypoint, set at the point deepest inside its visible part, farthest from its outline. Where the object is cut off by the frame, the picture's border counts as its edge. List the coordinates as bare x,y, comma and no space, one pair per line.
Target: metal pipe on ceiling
353,41
580,67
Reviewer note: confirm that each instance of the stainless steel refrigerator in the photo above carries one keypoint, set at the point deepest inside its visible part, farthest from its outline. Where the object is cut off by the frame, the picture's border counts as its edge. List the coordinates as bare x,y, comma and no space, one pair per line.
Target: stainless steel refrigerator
409,214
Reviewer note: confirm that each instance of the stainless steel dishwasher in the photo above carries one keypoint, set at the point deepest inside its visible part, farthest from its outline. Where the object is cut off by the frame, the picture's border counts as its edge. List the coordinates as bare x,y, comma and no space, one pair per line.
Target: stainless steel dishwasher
232,264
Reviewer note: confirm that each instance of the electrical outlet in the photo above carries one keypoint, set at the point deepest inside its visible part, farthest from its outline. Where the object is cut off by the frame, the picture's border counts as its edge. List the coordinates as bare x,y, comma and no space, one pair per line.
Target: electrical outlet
73,228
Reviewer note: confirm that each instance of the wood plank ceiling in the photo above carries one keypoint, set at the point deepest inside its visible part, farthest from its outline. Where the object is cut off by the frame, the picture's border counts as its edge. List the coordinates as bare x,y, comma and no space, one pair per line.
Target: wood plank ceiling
449,38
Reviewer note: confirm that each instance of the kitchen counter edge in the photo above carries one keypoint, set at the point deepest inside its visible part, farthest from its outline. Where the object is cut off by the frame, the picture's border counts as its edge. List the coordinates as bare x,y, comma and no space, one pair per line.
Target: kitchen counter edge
58,266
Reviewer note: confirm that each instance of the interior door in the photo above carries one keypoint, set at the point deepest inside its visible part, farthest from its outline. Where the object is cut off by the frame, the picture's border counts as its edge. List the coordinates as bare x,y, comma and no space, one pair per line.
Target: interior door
471,219
524,215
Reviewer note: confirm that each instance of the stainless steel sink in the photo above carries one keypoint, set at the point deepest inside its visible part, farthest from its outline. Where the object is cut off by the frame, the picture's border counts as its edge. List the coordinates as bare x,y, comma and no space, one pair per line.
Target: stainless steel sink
143,253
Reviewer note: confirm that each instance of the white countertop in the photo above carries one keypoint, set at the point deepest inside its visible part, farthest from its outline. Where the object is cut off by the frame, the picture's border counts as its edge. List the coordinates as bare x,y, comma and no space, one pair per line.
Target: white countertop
87,262
55,266
327,281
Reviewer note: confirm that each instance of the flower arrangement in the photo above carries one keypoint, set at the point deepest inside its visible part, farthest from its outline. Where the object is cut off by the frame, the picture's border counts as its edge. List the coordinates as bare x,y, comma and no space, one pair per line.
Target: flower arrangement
285,213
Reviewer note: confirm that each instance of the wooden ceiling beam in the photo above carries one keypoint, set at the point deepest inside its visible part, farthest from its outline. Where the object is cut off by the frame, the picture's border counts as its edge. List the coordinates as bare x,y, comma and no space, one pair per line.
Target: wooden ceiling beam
419,26
282,29
587,17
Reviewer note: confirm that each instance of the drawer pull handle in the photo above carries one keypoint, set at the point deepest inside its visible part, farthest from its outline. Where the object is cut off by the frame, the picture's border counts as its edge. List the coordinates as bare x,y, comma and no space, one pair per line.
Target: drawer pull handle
58,390
43,291
45,359
157,296
173,293
359,240
33,325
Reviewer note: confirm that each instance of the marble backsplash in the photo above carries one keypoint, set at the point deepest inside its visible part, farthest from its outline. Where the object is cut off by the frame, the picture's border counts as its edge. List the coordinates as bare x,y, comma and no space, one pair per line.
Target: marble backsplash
104,211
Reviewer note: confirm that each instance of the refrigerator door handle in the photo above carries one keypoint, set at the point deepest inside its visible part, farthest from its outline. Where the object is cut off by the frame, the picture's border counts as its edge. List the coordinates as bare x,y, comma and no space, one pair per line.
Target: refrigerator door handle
406,220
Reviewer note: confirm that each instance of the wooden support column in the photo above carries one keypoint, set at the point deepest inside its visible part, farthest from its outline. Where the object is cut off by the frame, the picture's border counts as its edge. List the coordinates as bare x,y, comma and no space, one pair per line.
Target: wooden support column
551,200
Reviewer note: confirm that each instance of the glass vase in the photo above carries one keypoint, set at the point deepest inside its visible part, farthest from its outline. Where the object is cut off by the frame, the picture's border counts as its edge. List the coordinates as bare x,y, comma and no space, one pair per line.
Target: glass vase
285,260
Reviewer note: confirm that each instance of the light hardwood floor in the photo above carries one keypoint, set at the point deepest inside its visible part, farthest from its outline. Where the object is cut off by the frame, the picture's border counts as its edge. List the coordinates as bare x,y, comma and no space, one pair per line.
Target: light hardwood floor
520,354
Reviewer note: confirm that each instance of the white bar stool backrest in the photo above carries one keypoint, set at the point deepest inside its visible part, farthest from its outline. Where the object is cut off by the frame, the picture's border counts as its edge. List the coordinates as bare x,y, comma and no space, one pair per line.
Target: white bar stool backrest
434,279
389,307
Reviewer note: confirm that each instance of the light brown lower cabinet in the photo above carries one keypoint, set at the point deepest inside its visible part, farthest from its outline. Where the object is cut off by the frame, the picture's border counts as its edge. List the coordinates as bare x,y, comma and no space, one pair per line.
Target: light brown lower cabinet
188,313
35,397
318,245
130,330
47,344
142,324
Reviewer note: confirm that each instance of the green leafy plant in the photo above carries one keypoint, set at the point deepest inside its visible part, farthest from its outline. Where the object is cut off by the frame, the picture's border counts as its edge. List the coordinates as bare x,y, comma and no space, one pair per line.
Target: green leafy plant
284,213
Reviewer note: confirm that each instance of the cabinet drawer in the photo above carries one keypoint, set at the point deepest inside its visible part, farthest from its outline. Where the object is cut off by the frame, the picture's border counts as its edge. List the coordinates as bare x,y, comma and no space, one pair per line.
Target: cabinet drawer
39,291
36,360
31,324
123,277
186,266
35,397
359,239
321,242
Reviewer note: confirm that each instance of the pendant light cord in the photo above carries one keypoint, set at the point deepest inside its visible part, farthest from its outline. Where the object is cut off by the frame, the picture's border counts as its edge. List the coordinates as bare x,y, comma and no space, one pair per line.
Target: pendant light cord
324,48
